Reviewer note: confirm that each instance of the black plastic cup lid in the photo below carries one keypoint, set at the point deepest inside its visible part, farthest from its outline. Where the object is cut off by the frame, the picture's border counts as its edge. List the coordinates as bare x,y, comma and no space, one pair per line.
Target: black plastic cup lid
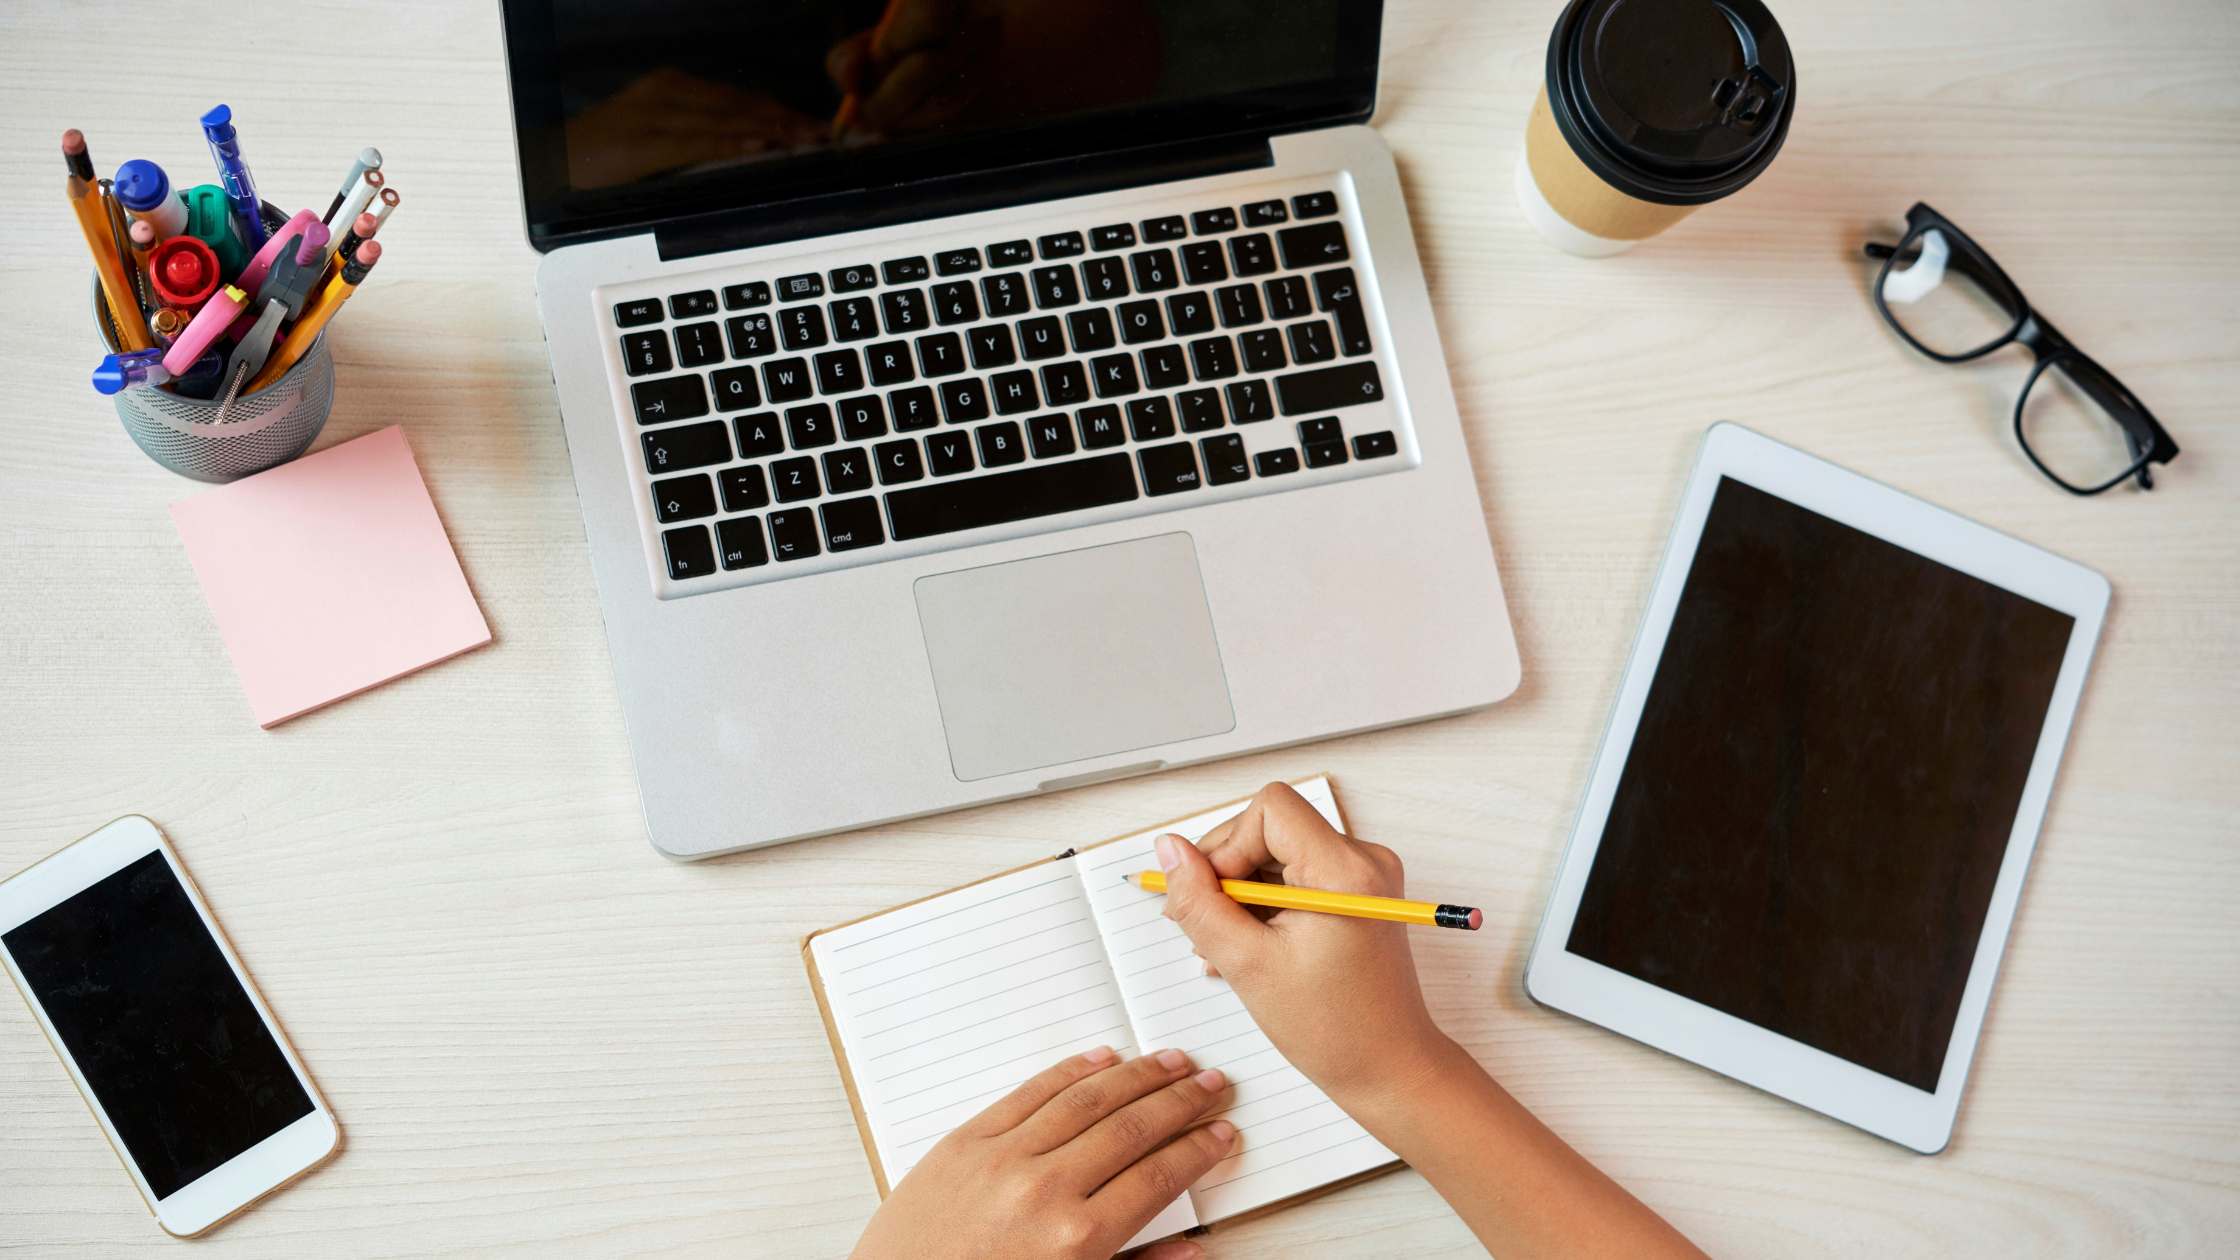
1678,102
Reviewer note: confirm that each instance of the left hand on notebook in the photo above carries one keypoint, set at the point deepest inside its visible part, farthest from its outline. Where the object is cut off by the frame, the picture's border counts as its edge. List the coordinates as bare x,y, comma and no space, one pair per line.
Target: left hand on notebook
1068,1167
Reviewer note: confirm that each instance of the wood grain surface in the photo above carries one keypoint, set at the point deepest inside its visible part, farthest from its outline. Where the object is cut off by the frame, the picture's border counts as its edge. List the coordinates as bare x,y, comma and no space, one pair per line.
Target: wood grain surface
543,1039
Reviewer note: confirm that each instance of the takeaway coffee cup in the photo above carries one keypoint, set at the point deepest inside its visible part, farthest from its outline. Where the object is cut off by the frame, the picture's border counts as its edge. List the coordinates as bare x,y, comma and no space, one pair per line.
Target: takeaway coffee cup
1650,109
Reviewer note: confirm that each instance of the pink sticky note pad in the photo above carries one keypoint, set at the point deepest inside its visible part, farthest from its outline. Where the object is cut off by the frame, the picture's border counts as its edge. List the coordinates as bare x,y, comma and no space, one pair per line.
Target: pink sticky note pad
329,575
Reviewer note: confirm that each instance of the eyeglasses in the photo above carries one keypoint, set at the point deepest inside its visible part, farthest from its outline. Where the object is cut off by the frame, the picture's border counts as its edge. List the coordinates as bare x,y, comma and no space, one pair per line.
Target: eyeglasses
1946,297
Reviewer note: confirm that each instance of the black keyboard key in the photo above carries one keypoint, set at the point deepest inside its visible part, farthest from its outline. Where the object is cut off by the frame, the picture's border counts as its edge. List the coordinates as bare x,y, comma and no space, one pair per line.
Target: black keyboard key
796,479
739,297
847,470
1224,456
810,426
1374,445
688,552
1314,205
898,462
905,270
1040,338
1210,222
752,337
686,446
1327,389
1150,419
801,327
861,419
1141,322
1170,228
941,354
957,262
1000,444
1200,408
1251,255
964,401
644,354
853,523
1239,305
692,305
635,314
1115,375
787,380
1056,286
913,409
1006,294
1203,263
1263,350
739,543
854,319
1275,463
955,303
1263,213
888,363
759,435
1100,427
1165,367
1106,279
797,288
1014,392
1189,313
1010,254
1118,236
1062,245
1092,330
1065,384
744,490
1324,430
793,534
949,454
850,279
1248,401
1213,358
1154,270
684,498
1018,495
1336,293
1324,454
1310,342
1313,245
991,347
839,372
736,389
1288,297
905,310
1169,469
1050,436
674,398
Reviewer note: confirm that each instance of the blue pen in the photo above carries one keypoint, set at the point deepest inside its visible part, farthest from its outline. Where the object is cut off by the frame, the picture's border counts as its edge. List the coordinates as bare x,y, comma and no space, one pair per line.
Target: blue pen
233,173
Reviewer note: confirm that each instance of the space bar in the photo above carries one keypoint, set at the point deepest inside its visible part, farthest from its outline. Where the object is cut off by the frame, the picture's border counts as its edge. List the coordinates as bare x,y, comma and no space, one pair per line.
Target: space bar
971,502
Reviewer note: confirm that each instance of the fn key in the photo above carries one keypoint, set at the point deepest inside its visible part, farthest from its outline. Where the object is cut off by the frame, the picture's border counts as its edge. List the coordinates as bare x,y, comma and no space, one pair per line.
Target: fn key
688,552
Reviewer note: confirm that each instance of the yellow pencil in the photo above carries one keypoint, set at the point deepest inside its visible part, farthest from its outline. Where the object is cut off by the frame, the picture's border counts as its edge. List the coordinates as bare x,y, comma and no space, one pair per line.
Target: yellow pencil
315,315
1285,897
124,306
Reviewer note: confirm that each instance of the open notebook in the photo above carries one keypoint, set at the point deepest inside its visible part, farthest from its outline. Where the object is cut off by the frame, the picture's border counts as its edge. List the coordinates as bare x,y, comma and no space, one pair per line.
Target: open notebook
940,1007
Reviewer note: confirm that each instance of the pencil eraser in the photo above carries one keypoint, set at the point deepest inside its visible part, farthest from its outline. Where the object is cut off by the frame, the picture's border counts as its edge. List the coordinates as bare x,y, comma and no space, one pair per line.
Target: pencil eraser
1477,917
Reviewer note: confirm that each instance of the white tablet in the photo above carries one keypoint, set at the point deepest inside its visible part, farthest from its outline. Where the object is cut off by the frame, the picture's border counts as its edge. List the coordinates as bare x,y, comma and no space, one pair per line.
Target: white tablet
1806,829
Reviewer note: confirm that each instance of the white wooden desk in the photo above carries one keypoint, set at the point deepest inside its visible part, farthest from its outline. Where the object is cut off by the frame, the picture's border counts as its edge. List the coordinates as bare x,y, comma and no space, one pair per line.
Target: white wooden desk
542,1038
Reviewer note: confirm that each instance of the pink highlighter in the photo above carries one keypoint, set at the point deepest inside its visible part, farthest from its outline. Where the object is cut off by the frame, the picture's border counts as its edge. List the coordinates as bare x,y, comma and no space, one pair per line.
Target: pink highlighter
208,323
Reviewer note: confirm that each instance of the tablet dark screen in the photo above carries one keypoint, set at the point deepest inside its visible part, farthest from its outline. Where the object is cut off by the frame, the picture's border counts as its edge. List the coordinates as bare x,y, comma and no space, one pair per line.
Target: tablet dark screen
1820,792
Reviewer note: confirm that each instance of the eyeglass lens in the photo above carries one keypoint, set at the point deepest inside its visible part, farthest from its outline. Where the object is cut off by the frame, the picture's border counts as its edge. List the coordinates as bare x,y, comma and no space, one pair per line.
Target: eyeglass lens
1933,298
2073,436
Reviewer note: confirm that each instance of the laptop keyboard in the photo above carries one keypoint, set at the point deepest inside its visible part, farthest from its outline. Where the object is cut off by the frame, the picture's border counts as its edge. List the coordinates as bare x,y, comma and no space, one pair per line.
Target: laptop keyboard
785,424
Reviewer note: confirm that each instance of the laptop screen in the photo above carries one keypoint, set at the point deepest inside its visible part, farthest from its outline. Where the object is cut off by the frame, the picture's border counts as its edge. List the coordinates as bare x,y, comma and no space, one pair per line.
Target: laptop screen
630,113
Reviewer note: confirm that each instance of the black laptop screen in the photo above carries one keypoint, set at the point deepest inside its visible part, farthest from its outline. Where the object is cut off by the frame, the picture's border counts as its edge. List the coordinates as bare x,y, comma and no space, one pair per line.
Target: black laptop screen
632,113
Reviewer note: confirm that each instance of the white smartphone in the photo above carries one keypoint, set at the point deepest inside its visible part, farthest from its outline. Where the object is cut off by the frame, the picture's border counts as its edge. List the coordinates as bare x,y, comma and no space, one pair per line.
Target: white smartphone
167,1039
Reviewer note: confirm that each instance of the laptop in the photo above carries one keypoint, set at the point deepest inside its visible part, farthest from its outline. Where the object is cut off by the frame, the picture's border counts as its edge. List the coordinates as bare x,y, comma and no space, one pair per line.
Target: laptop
970,399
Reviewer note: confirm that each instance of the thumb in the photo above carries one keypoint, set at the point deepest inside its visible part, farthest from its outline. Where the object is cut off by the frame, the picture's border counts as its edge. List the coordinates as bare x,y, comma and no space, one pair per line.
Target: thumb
1225,933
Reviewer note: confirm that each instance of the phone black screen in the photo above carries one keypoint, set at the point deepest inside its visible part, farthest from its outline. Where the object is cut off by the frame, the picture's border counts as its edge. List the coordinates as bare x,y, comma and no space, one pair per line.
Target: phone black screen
1820,792
158,1024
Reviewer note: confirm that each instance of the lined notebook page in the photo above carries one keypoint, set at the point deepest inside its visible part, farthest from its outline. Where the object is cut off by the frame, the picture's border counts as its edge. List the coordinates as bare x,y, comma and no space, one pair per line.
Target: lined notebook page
1293,1138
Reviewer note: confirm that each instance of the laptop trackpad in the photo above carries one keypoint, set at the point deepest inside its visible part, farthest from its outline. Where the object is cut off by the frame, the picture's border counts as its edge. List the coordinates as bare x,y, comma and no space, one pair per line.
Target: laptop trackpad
1051,660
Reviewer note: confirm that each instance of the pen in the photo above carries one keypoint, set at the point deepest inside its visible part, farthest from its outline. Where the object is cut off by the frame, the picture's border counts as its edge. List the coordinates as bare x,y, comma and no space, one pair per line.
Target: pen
369,159
1285,897
124,308
121,238
143,369
146,193
316,313
233,173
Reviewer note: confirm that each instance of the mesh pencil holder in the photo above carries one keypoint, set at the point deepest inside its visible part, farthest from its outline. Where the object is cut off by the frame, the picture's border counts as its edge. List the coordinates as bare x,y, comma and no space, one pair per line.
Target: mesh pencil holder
212,440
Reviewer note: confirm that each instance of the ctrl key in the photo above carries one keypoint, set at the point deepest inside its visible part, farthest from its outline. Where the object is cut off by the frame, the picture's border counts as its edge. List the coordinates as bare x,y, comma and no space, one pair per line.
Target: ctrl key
739,543
688,552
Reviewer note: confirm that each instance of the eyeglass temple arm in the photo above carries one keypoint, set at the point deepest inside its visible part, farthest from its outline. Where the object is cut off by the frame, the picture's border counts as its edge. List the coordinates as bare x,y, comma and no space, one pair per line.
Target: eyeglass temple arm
1878,250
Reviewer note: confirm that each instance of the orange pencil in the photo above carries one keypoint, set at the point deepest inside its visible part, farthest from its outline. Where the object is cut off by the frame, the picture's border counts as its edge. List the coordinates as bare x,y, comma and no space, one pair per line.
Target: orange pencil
93,220
1285,897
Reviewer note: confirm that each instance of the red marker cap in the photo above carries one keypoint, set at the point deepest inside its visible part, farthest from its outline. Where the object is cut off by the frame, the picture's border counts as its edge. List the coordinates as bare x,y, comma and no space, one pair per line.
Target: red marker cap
184,272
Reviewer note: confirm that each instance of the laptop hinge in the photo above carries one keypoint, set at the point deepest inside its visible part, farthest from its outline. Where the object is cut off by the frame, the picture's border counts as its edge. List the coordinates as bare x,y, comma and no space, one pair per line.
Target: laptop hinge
958,194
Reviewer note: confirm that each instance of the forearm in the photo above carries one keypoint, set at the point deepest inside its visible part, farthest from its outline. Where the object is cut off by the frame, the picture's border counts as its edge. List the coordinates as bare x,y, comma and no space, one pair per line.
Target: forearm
1522,1190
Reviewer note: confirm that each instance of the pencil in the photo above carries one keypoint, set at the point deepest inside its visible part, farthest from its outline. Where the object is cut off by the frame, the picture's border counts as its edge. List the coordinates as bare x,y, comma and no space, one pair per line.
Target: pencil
124,306
1285,897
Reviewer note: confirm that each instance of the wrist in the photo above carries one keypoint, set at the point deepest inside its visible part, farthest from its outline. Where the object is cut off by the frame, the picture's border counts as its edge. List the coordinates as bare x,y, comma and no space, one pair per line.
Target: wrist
1411,1076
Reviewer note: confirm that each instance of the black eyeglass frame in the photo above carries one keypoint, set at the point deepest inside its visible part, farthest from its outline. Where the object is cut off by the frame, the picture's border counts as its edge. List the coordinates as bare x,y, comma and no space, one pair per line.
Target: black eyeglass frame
2150,443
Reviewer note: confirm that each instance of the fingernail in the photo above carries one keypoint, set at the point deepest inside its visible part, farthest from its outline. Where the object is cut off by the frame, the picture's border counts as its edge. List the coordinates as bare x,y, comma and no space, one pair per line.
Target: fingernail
1166,847
1099,1055
1222,1131
1211,1080
1172,1059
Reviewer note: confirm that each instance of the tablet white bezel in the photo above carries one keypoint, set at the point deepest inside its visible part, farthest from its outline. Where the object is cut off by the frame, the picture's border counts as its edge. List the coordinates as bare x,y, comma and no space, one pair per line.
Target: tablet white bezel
247,1177
1835,1087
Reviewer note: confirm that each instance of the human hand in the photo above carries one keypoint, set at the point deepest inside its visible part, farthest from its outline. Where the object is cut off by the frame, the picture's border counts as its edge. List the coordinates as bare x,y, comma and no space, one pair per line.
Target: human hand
1068,1167
1312,981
